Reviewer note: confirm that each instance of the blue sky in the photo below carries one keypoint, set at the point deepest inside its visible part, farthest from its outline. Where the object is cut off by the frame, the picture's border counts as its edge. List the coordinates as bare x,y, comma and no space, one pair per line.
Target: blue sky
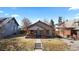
39,13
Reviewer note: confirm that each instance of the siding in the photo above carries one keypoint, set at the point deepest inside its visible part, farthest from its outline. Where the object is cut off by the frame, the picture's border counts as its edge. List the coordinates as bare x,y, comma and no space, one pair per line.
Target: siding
10,28
35,28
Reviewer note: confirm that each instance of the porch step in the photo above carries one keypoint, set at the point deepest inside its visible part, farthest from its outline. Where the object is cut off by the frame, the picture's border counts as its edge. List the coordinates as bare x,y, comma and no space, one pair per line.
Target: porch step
38,46
38,41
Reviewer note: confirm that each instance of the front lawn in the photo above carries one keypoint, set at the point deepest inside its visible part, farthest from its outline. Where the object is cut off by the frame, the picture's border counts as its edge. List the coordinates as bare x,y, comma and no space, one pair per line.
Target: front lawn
54,45
17,44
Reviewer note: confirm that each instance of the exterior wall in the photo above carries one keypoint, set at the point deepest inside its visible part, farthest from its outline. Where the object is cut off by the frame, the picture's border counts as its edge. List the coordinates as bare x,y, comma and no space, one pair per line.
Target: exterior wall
67,32
47,27
64,32
10,28
78,35
60,32
50,32
35,28
77,32
44,34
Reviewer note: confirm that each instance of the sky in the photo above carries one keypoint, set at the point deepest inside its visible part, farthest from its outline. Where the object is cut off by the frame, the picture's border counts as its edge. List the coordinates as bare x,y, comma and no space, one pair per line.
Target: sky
40,13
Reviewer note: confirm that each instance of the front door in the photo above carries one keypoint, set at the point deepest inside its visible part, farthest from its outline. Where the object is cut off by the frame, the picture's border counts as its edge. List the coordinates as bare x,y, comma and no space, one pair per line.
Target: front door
38,33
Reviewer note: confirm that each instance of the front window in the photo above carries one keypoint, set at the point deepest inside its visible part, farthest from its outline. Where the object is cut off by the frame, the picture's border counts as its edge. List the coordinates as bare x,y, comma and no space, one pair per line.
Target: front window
47,32
1,30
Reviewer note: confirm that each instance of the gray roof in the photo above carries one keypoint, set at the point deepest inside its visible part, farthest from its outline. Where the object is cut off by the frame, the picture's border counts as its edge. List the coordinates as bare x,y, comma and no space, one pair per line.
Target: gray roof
6,20
42,25
69,24
76,28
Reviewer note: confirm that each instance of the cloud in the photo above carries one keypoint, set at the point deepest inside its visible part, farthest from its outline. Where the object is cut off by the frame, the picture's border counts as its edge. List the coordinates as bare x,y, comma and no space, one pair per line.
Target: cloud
73,8
1,11
15,15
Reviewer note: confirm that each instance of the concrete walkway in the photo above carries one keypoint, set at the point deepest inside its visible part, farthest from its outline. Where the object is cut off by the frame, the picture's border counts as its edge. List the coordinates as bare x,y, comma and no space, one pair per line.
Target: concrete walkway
37,40
38,45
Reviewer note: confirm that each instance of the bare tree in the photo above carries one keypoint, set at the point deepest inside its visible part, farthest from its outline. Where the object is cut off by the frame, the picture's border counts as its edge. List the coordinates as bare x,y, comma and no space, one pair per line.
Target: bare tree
45,21
26,22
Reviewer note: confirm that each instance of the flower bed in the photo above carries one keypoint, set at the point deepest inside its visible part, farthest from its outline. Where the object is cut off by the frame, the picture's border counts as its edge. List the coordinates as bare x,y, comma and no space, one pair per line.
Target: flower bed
17,44
54,45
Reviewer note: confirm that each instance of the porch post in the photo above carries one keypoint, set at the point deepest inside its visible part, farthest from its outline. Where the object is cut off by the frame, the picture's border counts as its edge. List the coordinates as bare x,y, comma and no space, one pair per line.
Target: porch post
78,34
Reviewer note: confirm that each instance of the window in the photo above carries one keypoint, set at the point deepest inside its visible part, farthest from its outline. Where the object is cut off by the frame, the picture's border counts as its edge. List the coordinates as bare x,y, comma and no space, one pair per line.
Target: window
1,30
78,23
47,32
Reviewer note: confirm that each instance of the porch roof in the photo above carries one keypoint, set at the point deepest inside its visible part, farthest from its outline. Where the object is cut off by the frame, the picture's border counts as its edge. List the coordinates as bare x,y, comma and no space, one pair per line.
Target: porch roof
76,28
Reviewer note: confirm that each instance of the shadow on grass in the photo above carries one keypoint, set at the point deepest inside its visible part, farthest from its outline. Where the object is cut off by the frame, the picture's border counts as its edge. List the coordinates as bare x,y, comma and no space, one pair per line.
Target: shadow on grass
14,36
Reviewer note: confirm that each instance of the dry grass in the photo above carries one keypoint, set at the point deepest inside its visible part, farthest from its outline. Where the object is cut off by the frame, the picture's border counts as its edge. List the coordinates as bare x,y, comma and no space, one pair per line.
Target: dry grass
17,44
54,45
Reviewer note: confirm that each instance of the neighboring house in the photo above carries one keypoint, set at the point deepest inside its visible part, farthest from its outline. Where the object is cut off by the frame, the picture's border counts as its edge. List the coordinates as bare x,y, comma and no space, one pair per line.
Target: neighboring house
40,30
8,26
68,28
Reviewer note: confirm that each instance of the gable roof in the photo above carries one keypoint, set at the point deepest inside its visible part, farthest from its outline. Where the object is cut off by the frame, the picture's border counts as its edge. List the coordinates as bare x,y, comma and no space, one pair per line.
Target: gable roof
4,21
68,24
1,20
42,25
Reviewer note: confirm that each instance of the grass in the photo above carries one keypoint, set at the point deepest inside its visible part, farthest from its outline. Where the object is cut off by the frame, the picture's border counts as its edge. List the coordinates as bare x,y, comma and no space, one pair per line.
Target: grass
17,44
54,45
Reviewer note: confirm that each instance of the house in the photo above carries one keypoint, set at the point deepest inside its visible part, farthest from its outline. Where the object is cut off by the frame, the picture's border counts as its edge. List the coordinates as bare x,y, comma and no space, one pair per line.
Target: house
40,30
68,28
8,26
77,28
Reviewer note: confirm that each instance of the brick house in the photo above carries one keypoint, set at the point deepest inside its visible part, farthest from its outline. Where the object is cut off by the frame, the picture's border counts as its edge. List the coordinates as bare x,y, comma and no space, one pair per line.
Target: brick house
68,28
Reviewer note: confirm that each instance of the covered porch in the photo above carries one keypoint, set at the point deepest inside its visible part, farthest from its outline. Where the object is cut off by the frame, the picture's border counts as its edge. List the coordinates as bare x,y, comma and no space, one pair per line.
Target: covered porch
39,33
40,30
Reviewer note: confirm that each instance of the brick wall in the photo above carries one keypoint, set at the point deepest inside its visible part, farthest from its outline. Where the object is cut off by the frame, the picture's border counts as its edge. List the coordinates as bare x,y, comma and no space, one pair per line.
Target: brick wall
64,32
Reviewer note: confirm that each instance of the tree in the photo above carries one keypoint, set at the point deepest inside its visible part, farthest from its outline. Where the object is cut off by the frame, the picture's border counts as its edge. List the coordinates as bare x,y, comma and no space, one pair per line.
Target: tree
60,20
26,23
45,21
52,23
